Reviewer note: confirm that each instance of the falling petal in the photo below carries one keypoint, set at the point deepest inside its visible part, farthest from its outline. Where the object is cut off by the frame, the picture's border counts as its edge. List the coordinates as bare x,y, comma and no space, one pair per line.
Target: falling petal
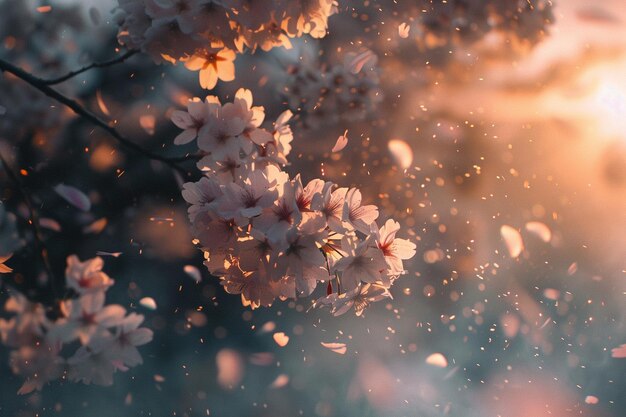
591,399
3,268
230,368
113,254
50,224
103,107
510,325
268,327
403,30
280,381
540,230
73,196
148,302
551,294
619,352
97,226
281,339
26,388
437,359
513,240
401,153
572,269
357,63
339,348
193,272
341,143
147,122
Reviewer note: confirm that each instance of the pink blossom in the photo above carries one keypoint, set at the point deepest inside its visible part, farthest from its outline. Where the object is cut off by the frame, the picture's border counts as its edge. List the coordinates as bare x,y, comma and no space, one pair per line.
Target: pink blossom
362,263
86,277
395,250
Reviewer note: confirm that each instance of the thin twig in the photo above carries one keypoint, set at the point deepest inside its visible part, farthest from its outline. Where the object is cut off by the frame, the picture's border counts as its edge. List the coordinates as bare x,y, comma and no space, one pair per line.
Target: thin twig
41,85
72,74
34,222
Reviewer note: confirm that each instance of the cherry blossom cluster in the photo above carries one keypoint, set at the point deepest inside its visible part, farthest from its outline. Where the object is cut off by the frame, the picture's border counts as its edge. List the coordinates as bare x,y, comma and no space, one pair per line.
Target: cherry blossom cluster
204,34
41,43
436,23
267,235
348,91
89,341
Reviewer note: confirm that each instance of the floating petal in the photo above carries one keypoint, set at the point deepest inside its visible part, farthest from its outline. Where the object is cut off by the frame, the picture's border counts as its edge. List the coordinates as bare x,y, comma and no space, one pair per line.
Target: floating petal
73,196
513,240
339,348
341,143
437,359
401,153
281,339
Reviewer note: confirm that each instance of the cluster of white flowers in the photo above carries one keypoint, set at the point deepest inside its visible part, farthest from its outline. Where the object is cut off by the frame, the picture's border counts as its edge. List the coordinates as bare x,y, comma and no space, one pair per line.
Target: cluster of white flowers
341,92
103,338
204,34
269,236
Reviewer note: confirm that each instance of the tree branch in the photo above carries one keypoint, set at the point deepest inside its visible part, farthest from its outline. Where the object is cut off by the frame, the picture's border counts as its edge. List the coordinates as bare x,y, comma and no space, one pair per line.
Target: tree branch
34,221
72,74
42,86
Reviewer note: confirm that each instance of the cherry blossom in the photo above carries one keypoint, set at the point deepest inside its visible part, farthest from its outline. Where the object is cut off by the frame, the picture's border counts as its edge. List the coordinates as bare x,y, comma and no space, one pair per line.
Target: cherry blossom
248,199
120,346
330,203
180,30
265,234
86,277
102,337
194,118
276,220
213,64
202,195
303,261
329,92
91,367
86,317
394,249
359,298
361,217
38,363
363,262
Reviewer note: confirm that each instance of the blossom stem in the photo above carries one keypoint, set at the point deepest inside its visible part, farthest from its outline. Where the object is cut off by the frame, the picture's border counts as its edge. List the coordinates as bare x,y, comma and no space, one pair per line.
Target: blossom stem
104,64
87,115
34,222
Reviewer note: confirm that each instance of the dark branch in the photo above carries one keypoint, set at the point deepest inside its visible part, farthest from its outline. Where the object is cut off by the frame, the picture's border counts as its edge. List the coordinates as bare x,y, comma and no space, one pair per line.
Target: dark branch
72,74
34,222
41,85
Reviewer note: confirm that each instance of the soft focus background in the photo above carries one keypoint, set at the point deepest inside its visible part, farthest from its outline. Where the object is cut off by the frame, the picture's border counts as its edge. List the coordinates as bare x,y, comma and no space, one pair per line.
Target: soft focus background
456,138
